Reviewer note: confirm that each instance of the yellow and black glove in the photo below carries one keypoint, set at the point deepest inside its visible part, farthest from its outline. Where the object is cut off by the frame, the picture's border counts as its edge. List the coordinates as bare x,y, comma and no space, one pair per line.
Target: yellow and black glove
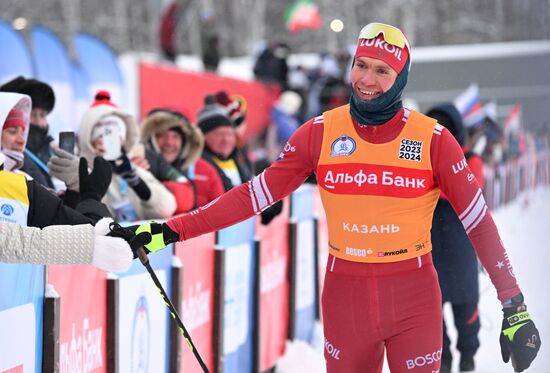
519,338
151,235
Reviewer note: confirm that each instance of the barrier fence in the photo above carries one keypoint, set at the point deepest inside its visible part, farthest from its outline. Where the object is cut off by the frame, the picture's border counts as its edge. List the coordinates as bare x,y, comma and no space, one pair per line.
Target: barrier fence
504,182
241,292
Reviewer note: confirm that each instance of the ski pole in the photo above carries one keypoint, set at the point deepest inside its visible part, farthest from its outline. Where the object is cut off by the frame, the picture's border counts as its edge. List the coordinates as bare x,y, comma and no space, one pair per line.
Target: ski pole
140,252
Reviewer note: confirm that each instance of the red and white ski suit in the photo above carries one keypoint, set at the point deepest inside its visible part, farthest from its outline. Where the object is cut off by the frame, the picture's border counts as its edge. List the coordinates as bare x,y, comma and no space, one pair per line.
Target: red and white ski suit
372,307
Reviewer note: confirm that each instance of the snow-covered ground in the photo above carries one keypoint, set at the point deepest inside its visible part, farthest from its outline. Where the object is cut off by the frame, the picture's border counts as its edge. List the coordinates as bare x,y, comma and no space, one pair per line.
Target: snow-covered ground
524,226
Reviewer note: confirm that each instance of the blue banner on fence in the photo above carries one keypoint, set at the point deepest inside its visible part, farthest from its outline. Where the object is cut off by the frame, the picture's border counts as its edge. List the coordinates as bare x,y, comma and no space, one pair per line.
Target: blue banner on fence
144,319
302,213
238,241
301,204
81,96
21,308
53,66
19,61
100,65
305,306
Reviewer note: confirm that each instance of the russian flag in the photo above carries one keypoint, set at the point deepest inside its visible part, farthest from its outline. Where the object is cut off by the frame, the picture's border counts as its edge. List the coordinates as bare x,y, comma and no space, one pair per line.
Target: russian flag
469,106
512,123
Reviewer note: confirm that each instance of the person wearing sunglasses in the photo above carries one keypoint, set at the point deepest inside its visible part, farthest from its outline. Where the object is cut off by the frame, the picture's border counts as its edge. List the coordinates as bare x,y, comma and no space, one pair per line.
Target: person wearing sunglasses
380,168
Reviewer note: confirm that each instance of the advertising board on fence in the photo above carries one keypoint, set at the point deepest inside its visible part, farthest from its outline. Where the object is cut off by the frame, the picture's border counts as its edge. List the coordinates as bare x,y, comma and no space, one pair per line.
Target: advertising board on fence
197,308
274,288
21,305
238,297
143,316
83,325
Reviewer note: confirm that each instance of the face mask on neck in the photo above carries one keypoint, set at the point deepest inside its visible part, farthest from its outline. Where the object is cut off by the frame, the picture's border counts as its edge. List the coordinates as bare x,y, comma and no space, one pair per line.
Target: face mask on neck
383,108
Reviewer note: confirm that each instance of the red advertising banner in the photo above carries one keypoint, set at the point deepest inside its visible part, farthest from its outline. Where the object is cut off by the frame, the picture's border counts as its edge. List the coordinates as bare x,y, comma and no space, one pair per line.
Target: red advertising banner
83,327
169,87
274,287
197,257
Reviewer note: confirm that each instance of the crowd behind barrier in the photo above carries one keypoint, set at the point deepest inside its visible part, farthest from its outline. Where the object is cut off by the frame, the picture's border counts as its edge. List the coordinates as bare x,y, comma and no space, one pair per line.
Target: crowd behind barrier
505,181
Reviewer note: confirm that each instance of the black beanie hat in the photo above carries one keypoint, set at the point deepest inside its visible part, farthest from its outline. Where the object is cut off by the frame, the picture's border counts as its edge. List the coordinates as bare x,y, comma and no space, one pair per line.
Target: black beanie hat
212,116
41,93
449,117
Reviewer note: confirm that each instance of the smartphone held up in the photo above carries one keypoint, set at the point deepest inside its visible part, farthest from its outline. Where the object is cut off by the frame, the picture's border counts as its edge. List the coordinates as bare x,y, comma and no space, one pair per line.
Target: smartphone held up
67,141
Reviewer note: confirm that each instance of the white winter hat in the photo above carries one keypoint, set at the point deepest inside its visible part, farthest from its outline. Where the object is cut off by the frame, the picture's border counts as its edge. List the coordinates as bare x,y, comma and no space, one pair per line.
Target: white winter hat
289,102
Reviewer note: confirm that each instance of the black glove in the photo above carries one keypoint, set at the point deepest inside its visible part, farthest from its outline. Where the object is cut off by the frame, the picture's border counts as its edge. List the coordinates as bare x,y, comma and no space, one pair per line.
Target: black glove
519,337
94,185
123,167
269,213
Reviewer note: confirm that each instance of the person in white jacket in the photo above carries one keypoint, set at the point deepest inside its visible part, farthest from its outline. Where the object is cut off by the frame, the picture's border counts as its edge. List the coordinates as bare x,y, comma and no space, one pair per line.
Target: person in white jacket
134,193
65,244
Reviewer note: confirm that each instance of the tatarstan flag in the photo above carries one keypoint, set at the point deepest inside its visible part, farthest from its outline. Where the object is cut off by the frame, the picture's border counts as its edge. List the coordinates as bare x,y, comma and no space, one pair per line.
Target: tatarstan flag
302,14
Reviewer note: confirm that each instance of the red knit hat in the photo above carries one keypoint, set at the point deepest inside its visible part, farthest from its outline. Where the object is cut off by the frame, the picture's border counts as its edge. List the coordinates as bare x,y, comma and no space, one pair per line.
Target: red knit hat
15,119
103,97
378,48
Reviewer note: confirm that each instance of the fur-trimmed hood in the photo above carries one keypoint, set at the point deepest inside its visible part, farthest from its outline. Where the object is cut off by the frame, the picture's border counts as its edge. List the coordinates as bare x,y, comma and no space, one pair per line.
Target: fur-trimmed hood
160,122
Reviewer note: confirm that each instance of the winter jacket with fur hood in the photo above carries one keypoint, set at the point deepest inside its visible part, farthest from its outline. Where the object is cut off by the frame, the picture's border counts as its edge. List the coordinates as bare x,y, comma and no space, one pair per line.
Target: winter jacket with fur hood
204,177
161,204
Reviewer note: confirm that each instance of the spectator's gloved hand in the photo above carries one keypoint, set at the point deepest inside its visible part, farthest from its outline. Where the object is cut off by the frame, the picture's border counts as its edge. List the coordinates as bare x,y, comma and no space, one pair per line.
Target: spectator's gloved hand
271,212
123,167
64,166
95,184
110,253
519,338
151,235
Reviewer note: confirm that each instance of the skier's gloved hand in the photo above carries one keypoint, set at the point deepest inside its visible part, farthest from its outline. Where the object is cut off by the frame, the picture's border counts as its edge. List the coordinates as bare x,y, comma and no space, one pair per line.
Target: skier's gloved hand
151,235
161,235
519,338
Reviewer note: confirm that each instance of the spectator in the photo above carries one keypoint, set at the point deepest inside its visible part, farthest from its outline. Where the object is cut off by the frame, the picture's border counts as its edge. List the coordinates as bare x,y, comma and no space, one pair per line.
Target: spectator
38,150
236,106
454,256
220,148
211,53
283,122
170,134
14,124
271,65
222,153
134,193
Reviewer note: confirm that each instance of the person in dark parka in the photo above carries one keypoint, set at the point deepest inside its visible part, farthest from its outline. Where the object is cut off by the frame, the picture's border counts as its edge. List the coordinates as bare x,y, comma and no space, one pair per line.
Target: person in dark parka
454,257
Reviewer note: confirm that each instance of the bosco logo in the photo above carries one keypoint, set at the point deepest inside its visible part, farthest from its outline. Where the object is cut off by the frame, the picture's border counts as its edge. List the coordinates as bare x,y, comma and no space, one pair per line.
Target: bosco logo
7,209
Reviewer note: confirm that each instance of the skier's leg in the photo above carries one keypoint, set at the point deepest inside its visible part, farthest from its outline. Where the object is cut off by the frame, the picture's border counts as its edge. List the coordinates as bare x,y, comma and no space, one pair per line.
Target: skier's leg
416,340
352,336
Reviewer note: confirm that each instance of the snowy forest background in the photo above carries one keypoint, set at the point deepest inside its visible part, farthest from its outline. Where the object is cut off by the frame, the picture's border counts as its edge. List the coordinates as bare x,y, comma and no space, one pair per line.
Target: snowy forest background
132,25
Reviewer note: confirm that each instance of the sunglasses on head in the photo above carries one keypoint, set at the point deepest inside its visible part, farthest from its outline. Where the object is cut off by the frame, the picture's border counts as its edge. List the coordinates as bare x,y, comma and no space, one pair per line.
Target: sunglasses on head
392,35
